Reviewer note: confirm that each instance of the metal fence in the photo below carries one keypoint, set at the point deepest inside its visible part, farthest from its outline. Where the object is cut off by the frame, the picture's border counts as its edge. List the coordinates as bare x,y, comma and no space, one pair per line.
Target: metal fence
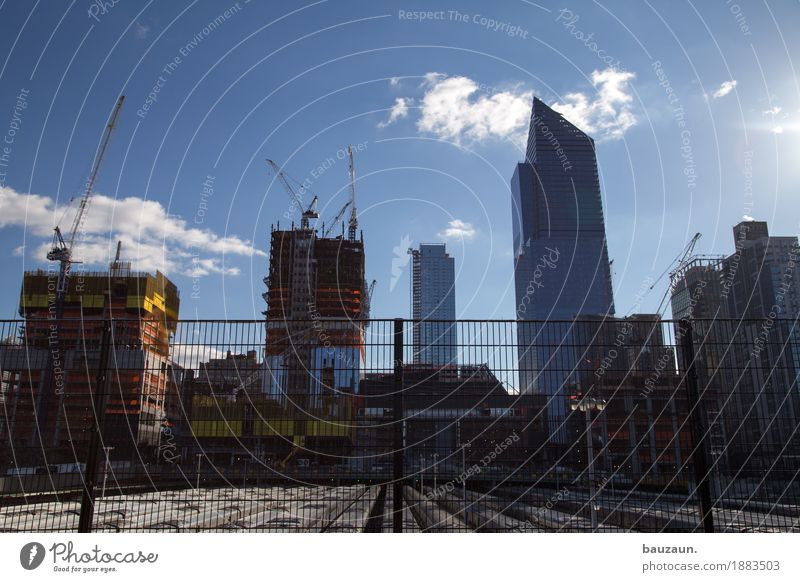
615,425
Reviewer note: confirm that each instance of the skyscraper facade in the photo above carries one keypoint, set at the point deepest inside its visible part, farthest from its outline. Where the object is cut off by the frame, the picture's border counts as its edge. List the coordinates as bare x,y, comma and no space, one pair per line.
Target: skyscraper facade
759,278
749,365
433,305
561,269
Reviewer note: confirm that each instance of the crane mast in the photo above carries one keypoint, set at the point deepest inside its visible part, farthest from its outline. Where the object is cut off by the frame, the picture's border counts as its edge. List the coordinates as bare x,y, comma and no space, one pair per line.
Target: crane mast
352,226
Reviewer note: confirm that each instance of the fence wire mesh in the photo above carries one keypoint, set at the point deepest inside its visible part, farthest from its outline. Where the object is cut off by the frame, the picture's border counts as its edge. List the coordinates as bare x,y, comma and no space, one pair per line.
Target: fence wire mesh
635,424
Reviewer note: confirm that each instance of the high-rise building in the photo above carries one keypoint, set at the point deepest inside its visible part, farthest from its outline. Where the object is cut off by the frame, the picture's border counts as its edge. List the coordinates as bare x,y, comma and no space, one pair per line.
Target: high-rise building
433,305
697,291
315,313
561,269
743,310
759,278
54,406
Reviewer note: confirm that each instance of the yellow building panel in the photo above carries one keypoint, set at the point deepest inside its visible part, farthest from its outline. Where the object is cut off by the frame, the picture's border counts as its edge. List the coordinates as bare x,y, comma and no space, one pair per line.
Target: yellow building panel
89,301
273,427
158,301
216,428
321,428
135,302
39,300
33,301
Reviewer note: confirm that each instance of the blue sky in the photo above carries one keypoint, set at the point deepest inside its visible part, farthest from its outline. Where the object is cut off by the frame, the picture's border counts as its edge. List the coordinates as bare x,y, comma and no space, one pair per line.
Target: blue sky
695,108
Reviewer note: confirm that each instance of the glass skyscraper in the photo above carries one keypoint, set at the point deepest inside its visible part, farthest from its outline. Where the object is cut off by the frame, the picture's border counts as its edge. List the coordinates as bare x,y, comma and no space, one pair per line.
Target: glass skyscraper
433,297
561,269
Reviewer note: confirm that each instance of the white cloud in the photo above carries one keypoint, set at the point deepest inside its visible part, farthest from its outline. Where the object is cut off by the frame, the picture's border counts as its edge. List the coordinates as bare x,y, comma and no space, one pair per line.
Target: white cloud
18,251
773,110
432,77
457,228
606,115
151,238
398,111
394,81
724,89
747,218
450,110
455,108
777,129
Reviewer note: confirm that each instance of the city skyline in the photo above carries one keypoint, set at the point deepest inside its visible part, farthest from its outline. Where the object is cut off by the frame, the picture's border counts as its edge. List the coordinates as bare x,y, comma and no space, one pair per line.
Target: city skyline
387,266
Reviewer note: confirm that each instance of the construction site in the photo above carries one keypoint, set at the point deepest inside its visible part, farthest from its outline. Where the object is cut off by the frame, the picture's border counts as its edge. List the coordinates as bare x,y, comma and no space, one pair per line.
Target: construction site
300,385
317,310
48,396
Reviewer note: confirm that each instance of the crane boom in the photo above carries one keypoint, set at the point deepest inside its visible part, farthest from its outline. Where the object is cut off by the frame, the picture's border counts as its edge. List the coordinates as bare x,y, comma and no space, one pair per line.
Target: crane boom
285,183
311,211
62,249
335,221
672,271
79,217
686,254
678,261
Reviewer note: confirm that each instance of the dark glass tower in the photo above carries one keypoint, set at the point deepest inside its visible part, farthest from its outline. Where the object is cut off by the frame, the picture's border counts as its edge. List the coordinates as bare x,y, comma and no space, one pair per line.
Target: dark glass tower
561,269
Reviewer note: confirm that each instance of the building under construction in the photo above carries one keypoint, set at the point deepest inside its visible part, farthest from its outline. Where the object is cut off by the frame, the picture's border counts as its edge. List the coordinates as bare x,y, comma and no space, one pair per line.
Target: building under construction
317,306
52,366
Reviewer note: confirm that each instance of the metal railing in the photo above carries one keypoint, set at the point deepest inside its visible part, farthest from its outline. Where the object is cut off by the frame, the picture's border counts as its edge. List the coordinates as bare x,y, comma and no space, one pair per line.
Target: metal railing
636,424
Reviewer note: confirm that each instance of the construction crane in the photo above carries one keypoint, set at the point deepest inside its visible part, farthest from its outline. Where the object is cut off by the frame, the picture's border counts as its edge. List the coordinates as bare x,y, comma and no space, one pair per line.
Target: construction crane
336,220
61,250
674,268
352,225
308,213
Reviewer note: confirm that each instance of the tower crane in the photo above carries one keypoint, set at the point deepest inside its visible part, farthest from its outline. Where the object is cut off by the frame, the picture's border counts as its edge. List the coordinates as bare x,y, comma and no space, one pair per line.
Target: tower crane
308,213
61,250
352,226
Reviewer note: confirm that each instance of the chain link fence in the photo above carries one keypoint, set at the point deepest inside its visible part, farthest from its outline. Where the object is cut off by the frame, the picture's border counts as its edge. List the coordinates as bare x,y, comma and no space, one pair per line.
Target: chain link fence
614,425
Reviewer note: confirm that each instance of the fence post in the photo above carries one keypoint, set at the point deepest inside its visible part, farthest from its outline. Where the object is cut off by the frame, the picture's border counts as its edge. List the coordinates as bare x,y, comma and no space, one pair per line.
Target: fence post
699,453
95,436
398,415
